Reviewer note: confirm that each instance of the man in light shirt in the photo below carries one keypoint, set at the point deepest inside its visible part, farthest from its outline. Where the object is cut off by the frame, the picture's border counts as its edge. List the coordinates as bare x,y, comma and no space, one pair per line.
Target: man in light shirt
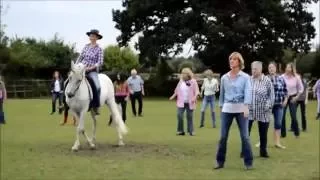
209,88
136,90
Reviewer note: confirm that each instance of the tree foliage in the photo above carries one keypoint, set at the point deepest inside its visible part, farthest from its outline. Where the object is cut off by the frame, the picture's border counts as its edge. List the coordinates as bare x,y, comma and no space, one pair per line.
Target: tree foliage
29,57
258,29
118,59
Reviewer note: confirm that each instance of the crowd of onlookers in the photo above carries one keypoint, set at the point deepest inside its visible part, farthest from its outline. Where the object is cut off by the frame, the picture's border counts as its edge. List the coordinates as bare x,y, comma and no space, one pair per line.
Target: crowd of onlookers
247,99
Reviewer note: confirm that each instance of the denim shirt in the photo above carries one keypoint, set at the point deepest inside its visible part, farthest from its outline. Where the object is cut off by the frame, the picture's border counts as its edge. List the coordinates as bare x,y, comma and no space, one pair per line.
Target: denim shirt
235,91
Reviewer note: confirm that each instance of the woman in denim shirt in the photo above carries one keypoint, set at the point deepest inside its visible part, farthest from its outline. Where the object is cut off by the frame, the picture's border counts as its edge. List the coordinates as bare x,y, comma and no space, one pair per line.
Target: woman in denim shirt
235,97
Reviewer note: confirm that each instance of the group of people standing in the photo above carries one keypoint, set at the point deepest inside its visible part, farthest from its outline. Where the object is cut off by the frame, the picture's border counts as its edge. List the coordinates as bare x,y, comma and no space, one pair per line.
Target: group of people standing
247,99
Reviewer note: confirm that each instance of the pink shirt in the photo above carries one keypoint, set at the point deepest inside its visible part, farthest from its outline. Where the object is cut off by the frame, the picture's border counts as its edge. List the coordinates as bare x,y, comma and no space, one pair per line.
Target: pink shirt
294,84
192,94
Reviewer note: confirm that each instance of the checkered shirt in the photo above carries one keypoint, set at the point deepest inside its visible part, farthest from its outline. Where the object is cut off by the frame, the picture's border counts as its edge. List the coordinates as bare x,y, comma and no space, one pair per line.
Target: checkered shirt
91,55
262,99
280,88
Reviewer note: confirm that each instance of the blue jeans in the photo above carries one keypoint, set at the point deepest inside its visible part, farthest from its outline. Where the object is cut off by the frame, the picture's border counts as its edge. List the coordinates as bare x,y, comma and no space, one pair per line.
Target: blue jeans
243,124
93,75
189,116
277,112
208,100
294,121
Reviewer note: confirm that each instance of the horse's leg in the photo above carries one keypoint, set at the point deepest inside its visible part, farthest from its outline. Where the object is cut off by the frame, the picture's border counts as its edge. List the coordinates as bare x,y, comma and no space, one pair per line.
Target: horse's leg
82,131
116,117
94,127
76,144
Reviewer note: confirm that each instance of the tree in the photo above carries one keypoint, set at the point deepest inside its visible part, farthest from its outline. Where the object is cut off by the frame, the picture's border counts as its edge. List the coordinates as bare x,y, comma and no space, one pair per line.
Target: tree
30,57
117,59
258,29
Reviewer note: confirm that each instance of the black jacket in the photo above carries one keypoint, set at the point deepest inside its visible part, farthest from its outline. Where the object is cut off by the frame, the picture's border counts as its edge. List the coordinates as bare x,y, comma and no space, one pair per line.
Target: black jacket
61,84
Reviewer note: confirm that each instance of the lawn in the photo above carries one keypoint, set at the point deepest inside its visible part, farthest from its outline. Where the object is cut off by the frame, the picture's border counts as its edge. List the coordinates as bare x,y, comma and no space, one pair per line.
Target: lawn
34,146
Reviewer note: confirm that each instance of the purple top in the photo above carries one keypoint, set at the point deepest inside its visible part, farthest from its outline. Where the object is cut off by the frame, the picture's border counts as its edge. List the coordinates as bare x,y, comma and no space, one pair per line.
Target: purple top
91,55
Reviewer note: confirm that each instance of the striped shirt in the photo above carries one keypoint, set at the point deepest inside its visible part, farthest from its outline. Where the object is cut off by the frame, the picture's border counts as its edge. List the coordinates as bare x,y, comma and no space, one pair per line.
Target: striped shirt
280,89
262,99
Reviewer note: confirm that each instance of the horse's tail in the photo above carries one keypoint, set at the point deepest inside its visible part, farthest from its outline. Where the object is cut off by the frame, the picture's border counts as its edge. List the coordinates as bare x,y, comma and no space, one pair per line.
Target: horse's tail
117,118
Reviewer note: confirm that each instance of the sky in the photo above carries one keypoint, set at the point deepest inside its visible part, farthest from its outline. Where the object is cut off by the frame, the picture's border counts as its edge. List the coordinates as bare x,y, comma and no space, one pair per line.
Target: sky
72,19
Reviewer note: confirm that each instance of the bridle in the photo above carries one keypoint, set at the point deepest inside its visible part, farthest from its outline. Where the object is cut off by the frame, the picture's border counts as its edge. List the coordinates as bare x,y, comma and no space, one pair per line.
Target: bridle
78,85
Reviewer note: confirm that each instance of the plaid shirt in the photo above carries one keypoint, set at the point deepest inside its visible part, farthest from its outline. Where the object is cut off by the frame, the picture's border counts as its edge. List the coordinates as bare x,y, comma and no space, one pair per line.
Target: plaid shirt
262,99
91,55
280,89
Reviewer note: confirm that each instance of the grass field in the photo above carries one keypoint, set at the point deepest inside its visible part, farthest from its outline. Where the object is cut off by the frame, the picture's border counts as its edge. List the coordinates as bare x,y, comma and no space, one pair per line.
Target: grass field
34,146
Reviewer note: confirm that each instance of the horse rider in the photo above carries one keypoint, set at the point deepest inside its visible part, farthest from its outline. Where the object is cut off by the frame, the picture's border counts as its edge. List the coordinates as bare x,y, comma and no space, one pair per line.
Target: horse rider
92,57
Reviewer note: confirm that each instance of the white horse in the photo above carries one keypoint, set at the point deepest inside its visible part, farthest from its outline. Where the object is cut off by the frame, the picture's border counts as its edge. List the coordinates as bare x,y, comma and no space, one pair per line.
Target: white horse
78,96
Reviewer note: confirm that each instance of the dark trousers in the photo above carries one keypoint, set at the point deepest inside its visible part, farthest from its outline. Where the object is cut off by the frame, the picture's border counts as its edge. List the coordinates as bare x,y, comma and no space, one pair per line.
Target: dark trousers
263,134
55,96
303,115
226,121
293,113
2,119
120,100
133,97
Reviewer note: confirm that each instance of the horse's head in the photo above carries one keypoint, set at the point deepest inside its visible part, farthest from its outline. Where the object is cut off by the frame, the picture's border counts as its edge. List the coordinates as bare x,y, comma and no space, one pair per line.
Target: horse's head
75,77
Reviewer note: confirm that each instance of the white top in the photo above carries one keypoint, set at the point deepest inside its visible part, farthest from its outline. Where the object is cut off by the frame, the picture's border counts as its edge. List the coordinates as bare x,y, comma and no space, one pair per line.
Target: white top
185,91
210,87
57,87
233,108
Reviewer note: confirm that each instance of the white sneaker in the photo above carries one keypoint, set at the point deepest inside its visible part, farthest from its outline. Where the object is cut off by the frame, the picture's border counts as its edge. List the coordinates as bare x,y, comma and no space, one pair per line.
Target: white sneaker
258,145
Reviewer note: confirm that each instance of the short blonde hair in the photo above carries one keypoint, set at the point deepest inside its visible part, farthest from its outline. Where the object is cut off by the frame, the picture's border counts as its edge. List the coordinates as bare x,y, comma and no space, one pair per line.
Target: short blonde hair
208,72
187,71
239,57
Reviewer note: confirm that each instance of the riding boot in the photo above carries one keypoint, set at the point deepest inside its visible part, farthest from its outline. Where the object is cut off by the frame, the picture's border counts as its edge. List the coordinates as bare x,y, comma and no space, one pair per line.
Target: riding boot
97,103
202,119
213,117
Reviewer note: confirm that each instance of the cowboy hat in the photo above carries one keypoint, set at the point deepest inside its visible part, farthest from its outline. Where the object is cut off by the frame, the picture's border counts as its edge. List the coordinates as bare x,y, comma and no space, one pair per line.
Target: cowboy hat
95,32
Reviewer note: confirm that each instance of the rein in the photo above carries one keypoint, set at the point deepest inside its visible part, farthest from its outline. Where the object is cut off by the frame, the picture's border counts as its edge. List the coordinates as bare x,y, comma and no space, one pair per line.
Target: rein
78,86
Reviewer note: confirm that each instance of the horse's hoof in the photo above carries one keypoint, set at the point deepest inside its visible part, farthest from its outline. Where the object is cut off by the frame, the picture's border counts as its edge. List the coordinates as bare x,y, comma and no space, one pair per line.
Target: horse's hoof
75,149
121,144
93,147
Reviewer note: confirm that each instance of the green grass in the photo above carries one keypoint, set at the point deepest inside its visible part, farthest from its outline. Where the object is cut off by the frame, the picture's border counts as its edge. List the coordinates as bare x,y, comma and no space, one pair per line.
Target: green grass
34,146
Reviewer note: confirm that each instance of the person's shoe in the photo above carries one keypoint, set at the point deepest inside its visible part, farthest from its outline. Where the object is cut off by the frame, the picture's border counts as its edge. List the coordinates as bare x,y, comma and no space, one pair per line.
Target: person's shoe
279,146
264,155
96,111
247,168
181,133
219,166
201,126
192,134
